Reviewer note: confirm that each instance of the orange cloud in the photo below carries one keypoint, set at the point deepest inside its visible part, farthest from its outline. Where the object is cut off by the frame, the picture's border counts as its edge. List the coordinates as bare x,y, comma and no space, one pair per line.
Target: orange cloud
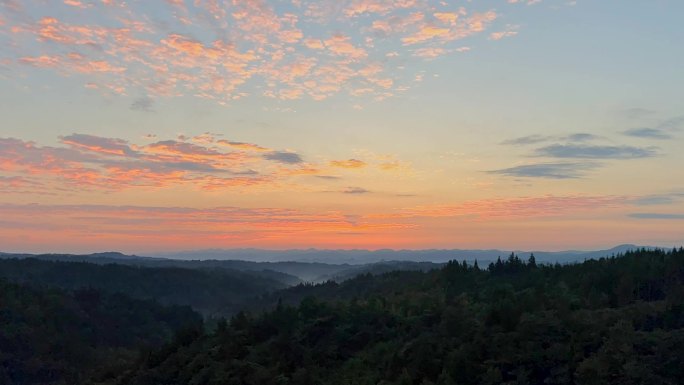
360,7
349,163
98,144
242,145
390,166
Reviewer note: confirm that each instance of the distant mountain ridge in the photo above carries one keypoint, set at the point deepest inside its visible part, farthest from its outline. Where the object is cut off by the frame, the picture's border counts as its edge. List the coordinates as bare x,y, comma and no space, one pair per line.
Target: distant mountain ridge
291,267
360,257
286,272
135,260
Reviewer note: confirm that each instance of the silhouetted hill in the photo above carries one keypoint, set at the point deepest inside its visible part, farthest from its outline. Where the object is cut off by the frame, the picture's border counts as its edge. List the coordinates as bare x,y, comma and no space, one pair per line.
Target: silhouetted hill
209,291
312,265
358,257
134,260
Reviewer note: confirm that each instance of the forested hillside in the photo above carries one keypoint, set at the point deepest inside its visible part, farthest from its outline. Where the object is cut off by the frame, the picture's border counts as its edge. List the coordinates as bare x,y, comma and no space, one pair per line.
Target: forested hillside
617,320
260,269
50,336
211,292
286,272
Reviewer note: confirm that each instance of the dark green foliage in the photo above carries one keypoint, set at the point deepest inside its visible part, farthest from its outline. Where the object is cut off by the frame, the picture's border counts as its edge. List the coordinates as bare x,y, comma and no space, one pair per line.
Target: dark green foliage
211,292
617,320
56,337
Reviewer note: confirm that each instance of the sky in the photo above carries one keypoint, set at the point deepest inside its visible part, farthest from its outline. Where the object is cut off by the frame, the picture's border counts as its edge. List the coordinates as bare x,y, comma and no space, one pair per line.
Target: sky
152,126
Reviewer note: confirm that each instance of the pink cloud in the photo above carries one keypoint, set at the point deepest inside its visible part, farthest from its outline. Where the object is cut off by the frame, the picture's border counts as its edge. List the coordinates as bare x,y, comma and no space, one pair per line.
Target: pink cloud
361,7
341,45
203,162
250,48
76,3
446,30
92,162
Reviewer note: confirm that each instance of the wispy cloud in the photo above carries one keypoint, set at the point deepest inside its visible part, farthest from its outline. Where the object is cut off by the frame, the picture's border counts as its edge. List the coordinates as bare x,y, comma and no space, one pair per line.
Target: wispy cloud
349,163
510,208
98,144
580,137
665,216
675,123
637,112
283,157
242,145
355,190
652,133
663,130
659,199
529,139
510,31
548,170
584,147
596,151
536,139
144,104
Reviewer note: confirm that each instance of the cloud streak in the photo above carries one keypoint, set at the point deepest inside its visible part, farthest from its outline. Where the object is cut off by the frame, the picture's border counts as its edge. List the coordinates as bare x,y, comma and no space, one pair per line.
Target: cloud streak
548,170
657,216
98,163
283,157
596,151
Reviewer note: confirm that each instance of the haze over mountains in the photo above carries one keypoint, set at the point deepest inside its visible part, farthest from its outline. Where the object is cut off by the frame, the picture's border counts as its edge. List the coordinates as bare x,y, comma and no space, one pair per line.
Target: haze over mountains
290,267
356,257
317,265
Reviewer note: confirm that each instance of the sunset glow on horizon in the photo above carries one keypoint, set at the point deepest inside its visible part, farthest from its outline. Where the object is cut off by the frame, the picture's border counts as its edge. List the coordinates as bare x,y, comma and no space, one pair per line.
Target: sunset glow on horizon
153,126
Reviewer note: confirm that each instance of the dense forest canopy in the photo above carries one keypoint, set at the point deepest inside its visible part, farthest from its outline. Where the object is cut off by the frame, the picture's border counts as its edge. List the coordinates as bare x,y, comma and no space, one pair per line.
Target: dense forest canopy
50,336
617,320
